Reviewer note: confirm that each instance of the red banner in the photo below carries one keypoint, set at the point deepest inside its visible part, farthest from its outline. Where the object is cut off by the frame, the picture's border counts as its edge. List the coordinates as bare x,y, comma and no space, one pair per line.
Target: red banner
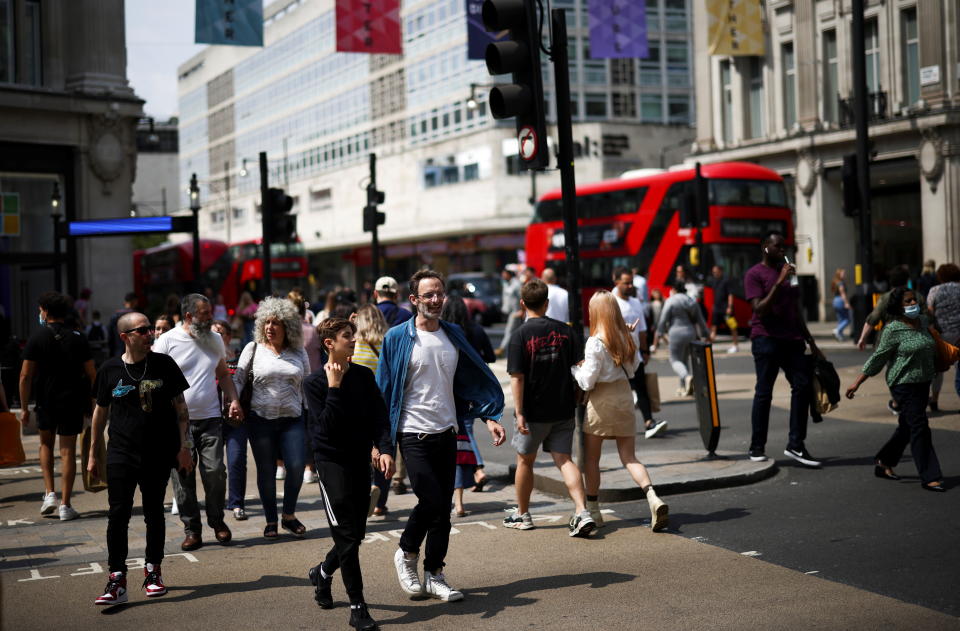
369,26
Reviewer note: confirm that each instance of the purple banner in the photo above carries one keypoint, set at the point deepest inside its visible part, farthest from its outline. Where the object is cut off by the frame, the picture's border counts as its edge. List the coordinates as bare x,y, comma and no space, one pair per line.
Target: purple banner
618,28
477,35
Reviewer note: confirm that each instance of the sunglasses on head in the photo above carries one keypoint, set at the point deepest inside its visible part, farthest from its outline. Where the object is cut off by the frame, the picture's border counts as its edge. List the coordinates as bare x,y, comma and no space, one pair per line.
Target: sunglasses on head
141,330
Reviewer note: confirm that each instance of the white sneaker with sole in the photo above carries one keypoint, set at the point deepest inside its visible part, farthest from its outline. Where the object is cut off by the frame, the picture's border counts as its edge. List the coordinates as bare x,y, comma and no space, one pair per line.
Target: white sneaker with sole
656,428
281,473
732,350
310,476
67,513
517,520
49,503
581,524
435,586
407,573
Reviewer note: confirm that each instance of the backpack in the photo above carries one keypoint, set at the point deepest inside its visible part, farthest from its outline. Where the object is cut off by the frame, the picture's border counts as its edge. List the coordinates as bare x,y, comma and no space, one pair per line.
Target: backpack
77,392
96,333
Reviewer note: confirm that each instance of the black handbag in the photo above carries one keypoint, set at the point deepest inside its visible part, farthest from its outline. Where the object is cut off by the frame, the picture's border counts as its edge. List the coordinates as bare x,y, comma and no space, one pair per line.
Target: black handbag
246,394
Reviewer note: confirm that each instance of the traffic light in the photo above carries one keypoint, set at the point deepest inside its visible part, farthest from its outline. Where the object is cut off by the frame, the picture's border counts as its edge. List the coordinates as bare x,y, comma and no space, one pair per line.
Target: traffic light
371,216
851,188
518,52
695,211
283,224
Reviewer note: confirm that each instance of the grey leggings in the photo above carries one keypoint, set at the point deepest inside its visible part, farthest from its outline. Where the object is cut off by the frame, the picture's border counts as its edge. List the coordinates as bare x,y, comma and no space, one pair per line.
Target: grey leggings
680,338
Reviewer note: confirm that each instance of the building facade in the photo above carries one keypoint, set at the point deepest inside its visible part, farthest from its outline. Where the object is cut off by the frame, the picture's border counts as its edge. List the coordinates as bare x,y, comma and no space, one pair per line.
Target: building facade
792,110
155,191
455,197
67,128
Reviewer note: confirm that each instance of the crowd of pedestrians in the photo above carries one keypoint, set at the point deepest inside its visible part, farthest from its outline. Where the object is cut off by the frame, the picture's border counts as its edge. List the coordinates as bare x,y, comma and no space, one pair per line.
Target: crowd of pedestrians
356,397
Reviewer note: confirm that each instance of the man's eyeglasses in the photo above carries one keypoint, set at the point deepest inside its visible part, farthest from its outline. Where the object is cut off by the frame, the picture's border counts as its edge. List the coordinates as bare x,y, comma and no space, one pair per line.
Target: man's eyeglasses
140,330
432,296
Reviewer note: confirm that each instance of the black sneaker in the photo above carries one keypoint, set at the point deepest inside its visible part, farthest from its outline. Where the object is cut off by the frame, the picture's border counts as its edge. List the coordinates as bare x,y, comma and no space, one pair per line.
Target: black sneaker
360,618
757,455
322,592
802,456
893,407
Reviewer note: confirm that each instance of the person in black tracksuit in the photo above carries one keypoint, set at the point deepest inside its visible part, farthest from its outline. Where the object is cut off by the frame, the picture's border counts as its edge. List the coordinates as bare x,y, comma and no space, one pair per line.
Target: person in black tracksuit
349,428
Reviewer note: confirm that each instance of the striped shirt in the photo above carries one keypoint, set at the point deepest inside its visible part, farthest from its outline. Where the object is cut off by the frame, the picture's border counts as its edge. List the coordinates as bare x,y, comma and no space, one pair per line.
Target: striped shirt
367,355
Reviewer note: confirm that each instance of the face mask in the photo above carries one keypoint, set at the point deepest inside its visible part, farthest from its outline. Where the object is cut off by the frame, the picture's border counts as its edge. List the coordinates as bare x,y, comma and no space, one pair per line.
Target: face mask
912,312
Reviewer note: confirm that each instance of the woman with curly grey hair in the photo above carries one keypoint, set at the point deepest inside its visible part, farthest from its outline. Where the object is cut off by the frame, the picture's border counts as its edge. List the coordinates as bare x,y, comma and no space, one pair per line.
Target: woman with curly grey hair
279,365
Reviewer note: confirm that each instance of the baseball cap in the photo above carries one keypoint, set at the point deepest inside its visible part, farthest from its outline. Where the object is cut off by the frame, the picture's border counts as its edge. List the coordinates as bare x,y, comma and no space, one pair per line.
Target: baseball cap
387,284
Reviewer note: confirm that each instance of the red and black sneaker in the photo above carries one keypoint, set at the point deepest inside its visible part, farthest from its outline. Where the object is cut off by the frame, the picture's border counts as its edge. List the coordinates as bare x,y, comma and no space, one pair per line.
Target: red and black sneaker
153,582
116,590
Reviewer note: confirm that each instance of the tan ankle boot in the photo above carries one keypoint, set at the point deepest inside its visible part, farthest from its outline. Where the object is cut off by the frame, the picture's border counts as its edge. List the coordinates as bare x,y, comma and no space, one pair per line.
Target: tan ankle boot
594,508
659,511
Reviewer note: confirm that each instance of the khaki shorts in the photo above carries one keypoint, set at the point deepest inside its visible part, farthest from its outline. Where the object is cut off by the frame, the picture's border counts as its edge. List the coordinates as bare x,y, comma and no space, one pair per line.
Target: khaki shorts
555,437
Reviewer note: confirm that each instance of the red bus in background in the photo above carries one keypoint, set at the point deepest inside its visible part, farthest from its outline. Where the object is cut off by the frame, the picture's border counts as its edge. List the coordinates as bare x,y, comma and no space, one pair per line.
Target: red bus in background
228,270
635,223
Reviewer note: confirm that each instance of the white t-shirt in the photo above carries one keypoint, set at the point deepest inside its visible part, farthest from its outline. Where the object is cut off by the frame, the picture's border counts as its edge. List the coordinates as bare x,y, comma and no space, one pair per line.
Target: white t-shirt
428,405
632,310
199,366
558,308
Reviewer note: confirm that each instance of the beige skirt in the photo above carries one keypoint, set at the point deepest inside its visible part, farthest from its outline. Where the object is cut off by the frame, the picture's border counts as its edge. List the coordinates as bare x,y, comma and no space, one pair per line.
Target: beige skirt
610,410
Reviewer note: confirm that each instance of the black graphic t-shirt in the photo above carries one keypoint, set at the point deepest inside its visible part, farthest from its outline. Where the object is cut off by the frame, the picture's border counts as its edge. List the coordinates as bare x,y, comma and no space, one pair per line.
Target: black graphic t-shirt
143,422
61,386
544,349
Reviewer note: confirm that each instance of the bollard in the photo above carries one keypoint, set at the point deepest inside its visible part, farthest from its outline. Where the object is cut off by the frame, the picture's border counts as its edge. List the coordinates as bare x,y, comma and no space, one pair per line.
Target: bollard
705,393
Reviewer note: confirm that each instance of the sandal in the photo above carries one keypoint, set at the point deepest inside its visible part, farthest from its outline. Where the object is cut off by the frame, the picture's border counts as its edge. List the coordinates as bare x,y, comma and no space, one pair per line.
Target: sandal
478,487
270,531
461,513
293,526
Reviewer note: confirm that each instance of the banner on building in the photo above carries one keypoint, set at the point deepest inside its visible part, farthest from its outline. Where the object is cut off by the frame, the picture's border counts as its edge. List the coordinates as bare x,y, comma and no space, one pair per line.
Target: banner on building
369,26
618,29
10,212
477,35
230,22
735,27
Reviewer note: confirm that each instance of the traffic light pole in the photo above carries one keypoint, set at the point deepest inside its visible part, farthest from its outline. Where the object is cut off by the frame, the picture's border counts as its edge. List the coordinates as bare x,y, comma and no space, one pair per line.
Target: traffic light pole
266,239
374,236
865,253
568,185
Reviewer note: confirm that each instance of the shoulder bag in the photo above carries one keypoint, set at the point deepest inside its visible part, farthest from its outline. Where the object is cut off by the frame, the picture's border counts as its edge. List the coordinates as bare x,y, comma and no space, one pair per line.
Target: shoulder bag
246,395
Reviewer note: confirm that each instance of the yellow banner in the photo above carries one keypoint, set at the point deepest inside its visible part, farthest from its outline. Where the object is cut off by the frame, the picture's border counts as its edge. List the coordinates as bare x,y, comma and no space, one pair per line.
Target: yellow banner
735,27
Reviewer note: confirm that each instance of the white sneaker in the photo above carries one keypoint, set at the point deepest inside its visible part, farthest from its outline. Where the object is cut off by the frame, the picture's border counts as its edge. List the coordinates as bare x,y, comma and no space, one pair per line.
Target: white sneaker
407,573
49,503
435,586
174,509
310,476
281,473
517,520
732,350
67,513
656,428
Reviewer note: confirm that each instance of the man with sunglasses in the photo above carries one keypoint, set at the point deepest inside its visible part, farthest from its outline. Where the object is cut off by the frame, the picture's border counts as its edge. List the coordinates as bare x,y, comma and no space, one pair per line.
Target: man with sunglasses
141,393
431,378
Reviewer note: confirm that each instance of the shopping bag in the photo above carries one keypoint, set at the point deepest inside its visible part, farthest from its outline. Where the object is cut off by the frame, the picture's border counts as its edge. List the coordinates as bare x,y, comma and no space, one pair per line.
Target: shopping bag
653,391
93,482
947,354
11,446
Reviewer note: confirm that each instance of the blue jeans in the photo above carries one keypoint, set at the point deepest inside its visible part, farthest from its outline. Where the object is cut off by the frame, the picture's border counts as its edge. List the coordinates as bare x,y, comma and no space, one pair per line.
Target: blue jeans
236,440
268,437
769,356
843,314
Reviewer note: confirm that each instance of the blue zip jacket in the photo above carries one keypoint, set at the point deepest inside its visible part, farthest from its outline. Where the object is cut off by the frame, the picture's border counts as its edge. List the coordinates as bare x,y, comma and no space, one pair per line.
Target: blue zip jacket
476,391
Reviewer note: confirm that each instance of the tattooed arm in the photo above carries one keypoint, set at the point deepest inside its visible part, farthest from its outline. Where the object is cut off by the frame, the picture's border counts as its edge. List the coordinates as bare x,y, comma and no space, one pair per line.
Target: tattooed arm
185,455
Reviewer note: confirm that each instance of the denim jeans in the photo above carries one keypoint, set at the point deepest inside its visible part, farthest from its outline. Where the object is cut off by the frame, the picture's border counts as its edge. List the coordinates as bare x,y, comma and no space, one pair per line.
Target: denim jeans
770,355
268,438
236,439
843,314
913,428
208,456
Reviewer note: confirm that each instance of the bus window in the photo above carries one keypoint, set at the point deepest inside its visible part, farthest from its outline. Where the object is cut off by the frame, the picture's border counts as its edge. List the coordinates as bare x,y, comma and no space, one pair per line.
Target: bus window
747,193
594,206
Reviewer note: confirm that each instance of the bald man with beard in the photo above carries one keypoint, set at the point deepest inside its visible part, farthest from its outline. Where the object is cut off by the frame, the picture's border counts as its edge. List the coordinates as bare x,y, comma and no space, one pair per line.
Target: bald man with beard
141,394
200,354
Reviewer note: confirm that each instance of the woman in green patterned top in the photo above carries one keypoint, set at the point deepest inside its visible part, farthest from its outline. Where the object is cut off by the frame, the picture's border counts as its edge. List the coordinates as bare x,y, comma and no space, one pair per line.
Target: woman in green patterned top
906,344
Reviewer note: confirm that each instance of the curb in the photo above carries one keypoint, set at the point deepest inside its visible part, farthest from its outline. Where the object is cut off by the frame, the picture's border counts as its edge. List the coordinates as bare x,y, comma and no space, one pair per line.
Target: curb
554,486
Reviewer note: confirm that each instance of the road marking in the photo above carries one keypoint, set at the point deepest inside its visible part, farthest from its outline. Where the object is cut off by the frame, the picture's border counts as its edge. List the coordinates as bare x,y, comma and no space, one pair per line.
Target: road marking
21,471
550,518
812,572
750,553
35,576
19,522
476,523
93,568
134,563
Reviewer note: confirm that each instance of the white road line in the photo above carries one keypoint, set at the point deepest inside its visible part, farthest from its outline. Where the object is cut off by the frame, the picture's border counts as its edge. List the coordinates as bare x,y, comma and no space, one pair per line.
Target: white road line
750,553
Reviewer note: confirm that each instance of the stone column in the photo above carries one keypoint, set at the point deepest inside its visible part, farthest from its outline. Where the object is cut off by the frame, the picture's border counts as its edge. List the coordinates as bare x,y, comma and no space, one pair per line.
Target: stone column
931,26
702,67
96,60
805,55
939,157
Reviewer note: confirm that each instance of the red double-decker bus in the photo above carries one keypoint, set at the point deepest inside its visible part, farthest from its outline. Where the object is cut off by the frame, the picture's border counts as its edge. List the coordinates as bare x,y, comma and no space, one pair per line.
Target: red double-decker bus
228,270
635,222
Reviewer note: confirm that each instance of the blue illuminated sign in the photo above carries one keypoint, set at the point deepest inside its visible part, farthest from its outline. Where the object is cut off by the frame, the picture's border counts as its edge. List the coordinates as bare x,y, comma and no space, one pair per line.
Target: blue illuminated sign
126,225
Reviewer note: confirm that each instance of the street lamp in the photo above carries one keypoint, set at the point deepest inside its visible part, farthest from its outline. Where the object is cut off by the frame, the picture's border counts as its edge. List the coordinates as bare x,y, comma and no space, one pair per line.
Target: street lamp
243,168
195,208
55,216
472,102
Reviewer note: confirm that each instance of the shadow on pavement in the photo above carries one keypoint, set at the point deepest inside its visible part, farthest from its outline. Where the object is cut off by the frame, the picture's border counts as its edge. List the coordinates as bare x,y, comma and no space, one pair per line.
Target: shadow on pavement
679,520
490,601
217,589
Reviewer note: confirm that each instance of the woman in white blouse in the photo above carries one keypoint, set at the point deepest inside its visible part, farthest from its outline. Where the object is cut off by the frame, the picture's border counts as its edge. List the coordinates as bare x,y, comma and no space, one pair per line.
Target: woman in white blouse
609,362
275,424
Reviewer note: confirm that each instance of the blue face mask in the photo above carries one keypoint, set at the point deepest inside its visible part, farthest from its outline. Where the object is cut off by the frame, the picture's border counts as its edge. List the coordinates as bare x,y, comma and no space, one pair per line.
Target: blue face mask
912,311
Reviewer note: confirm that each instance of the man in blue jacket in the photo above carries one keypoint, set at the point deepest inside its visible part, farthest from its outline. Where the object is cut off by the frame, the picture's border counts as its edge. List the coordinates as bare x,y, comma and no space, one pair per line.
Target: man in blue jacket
431,376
